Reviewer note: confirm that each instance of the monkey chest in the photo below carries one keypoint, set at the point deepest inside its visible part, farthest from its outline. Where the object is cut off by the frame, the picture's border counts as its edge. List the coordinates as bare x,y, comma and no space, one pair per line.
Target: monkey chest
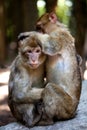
55,71
37,80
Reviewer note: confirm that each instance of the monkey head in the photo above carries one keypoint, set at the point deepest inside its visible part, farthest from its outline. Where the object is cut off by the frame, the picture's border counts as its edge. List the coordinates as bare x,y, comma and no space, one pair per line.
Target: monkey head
30,51
46,22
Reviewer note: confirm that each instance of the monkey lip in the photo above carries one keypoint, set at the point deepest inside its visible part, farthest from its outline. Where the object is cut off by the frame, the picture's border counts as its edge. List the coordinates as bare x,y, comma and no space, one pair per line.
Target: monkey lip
34,65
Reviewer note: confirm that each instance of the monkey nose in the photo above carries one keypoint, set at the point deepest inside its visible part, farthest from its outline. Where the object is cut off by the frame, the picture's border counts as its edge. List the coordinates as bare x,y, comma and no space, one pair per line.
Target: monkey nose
33,61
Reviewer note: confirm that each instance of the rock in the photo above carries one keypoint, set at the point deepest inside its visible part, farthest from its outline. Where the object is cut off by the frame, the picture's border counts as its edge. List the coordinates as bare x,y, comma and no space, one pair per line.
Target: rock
77,123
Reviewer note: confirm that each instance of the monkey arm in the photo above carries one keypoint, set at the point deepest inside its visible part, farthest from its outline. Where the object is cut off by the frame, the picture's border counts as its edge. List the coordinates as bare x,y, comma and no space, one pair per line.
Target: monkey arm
35,94
20,89
51,45
31,96
54,98
58,90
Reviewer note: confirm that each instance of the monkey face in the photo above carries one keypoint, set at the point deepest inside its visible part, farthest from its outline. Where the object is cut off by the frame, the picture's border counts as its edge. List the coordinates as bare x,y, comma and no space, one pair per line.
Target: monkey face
32,56
31,53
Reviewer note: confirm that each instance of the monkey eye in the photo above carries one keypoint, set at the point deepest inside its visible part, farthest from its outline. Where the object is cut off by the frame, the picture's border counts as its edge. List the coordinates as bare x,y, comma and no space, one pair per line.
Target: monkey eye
38,50
29,51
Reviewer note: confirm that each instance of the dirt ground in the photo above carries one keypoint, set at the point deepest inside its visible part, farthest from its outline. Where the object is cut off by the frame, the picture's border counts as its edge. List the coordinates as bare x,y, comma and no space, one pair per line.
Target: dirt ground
5,114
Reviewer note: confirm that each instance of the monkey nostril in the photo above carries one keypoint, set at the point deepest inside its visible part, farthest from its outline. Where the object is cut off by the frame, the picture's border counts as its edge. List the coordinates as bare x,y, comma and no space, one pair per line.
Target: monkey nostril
33,60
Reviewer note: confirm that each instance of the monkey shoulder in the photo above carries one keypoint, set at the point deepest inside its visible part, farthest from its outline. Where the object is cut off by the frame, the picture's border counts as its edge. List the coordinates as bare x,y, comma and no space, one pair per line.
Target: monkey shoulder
63,36
18,75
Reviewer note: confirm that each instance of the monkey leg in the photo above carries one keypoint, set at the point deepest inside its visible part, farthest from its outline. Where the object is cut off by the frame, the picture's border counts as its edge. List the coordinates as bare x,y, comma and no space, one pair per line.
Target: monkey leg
14,107
45,120
31,116
26,113
57,103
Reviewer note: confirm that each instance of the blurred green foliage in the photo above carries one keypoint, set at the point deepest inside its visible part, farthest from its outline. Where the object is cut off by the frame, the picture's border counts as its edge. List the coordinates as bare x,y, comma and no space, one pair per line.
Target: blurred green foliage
63,11
41,7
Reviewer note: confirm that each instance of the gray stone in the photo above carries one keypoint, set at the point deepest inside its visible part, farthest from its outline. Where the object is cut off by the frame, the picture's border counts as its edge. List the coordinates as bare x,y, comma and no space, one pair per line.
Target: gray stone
77,123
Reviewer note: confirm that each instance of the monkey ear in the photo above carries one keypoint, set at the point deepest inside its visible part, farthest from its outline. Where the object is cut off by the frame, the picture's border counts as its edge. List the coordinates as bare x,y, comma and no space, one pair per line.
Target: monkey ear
52,17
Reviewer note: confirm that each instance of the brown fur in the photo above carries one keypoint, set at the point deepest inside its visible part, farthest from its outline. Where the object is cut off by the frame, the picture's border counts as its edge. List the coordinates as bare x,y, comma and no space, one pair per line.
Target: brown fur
26,83
62,92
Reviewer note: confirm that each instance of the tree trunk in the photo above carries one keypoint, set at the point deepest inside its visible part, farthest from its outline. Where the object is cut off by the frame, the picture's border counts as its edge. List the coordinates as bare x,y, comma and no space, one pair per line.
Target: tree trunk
30,14
80,13
2,31
50,5
17,17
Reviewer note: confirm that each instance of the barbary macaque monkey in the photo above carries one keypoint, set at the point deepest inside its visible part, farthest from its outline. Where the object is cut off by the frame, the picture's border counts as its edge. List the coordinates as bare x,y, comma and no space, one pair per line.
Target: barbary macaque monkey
61,95
49,24
62,92
26,81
